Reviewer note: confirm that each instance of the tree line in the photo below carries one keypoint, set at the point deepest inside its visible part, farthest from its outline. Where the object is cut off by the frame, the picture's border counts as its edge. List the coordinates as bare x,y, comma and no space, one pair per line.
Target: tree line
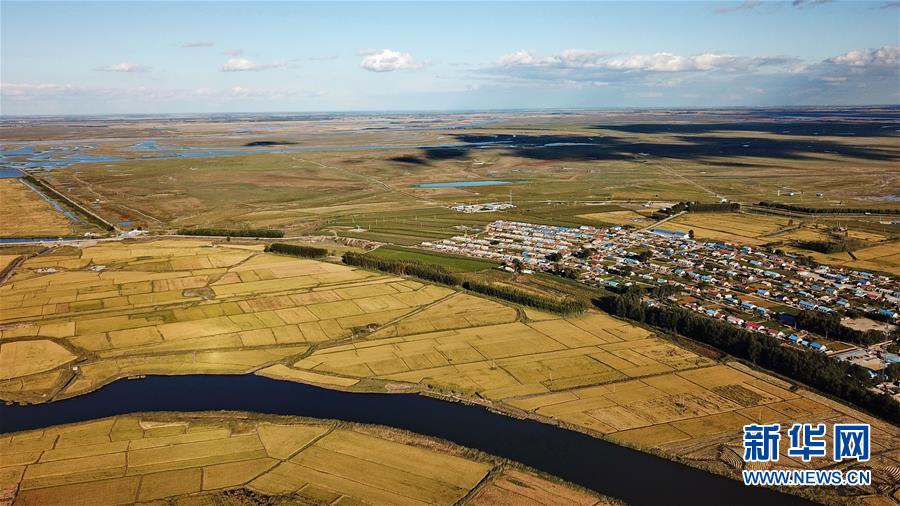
233,232
829,325
841,379
439,274
561,306
828,210
419,270
697,207
831,246
296,250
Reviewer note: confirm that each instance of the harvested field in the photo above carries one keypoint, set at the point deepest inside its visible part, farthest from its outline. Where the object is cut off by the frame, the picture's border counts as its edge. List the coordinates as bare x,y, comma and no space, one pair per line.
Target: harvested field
441,348
730,227
882,257
34,216
130,459
518,488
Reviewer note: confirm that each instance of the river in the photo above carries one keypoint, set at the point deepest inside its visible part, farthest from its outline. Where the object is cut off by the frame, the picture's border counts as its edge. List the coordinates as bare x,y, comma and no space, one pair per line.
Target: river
632,476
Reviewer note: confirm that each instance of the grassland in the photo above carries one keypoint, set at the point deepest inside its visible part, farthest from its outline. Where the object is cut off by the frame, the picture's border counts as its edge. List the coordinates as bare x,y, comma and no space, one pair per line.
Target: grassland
624,217
26,214
370,193
200,457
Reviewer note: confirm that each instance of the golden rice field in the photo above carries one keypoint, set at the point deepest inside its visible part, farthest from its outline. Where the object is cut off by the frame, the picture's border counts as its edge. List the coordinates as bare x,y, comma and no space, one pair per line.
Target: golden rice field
34,216
496,358
128,459
178,307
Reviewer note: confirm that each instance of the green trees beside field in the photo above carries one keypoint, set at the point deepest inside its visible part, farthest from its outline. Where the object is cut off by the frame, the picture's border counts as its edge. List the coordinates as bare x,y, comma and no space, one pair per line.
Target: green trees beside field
829,325
828,210
561,306
438,274
419,270
840,379
231,232
297,250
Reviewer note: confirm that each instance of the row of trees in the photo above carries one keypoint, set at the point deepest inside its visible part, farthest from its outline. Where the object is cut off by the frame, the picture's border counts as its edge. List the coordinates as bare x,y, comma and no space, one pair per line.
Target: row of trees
828,210
441,275
831,246
841,379
233,232
829,325
297,250
697,207
713,207
561,306
427,272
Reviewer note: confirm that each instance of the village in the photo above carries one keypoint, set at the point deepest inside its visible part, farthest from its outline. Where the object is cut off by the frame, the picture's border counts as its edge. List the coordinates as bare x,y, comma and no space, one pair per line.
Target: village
752,288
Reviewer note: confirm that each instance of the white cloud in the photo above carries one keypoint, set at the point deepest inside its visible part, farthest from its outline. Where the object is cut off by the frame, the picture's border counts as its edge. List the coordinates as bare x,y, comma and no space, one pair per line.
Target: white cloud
668,62
520,57
239,64
29,90
124,67
198,43
883,56
651,62
387,60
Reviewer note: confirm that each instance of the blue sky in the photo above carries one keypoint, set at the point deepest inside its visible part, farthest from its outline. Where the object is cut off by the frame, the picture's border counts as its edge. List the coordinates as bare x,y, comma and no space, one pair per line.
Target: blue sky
156,57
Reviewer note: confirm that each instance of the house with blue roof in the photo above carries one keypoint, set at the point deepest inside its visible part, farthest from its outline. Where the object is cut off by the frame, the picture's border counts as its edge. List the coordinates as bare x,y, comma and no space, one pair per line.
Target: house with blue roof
807,305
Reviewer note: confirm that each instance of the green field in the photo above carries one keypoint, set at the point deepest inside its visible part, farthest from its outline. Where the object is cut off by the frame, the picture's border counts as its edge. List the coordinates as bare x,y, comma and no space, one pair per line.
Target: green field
451,262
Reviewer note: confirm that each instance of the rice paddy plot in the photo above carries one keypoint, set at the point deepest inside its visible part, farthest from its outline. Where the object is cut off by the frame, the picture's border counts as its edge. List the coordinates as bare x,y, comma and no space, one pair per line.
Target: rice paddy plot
172,457
468,345
179,307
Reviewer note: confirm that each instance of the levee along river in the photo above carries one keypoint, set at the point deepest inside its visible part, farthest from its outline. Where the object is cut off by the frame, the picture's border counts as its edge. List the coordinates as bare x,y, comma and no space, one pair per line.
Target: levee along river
632,476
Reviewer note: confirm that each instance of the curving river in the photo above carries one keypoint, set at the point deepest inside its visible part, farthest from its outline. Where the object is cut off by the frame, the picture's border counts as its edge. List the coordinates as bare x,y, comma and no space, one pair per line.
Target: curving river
635,477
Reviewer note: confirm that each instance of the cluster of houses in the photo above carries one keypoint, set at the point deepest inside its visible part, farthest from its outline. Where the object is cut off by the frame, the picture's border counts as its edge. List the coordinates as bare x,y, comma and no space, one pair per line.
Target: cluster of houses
490,207
510,241
775,329
749,287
